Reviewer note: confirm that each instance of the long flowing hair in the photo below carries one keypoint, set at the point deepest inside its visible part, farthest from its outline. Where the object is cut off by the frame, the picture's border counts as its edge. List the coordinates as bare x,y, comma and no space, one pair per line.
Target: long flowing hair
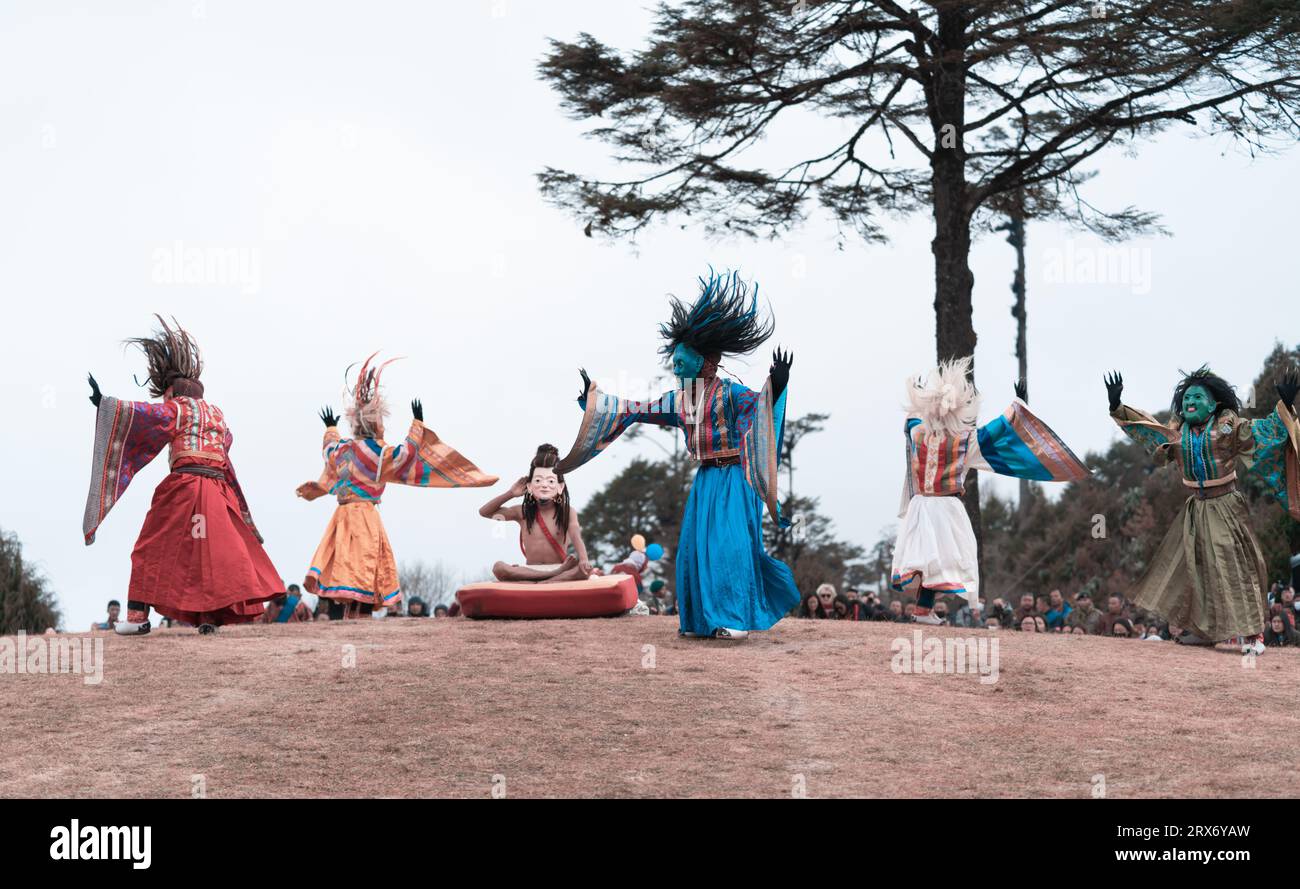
723,320
174,360
944,395
547,456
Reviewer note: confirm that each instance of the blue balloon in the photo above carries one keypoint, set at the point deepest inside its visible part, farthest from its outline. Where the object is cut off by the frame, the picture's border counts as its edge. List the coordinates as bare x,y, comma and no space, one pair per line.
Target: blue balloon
654,552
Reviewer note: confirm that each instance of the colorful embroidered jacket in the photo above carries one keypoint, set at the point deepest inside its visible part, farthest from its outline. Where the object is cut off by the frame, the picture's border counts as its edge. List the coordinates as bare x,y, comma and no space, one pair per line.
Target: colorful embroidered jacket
1017,444
360,469
129,434
1208,456
720,419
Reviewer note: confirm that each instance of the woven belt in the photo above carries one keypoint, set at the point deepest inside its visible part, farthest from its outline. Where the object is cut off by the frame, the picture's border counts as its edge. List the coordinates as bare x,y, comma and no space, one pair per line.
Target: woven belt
1212,493
209,471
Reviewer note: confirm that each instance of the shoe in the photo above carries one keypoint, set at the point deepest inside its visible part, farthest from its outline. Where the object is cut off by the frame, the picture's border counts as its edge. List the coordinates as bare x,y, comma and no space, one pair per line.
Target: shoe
724,633
687,634
929,620
124,628
207,629
1190,638
1252,646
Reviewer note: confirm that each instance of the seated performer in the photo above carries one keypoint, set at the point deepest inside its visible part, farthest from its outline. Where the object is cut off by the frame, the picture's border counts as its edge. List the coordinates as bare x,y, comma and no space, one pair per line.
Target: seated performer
547,524
936,550
199,558
354,564
1208,575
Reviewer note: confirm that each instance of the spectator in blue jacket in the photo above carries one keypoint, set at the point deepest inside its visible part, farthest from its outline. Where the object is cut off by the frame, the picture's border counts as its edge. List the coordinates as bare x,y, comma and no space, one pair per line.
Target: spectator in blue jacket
1058,610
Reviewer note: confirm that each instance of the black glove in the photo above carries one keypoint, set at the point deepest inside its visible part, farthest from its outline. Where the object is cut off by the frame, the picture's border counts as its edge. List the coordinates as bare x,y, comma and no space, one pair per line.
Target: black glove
1022,390
328,418
586,384
1287,388
780,371
1114,389
94,390
417,409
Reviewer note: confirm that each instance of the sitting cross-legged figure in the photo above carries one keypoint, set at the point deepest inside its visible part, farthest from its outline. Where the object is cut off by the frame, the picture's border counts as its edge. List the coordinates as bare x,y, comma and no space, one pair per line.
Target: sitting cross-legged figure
547,525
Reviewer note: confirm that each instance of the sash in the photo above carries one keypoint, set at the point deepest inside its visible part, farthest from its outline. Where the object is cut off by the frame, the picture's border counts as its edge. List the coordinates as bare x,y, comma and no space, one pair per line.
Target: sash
541,522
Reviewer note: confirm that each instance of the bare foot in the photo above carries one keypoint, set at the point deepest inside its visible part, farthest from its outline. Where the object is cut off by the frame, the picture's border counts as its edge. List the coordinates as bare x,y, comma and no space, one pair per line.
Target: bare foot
568,575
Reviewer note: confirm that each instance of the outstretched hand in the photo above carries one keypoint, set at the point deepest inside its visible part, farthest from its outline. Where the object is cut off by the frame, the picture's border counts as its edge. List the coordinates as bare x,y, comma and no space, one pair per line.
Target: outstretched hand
1114,389
586,385
417,409
1022,390
1288,387
328,417
94,390
780,370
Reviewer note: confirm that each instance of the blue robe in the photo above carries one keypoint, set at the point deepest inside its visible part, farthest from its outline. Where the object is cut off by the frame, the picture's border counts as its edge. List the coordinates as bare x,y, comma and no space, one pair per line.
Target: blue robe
724,576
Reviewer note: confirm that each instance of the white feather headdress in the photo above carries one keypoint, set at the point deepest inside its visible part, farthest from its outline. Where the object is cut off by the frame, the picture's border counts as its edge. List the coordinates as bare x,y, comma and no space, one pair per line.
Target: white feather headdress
945,398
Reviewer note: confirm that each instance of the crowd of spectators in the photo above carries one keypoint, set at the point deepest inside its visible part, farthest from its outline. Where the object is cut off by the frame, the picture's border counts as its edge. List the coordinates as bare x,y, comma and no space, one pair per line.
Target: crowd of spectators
1051,613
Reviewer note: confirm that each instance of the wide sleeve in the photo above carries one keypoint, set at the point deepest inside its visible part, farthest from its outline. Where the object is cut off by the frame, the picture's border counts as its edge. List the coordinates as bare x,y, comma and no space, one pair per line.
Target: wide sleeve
425,461
605,417
1272,454
761,423
1021,445
1156,438
128,435
330,476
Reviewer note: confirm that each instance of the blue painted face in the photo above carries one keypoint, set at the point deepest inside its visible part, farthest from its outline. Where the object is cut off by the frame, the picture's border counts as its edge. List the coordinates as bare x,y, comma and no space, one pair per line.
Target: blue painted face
1198,405
686,362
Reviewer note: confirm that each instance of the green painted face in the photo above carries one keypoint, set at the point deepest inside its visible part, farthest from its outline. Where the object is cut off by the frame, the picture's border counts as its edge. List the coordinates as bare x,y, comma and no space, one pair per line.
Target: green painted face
686,362
1198,405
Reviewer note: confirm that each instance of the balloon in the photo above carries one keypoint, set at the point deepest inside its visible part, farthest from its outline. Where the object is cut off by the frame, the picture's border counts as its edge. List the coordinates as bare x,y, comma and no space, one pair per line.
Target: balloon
654,552
656,586
638,543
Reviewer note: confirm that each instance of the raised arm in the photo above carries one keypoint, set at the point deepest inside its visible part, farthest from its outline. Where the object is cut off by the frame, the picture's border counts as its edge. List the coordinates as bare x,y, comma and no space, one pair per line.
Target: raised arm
329,448
1021,445
605,417
496,507
1156,438
423,460
1269,447
128,435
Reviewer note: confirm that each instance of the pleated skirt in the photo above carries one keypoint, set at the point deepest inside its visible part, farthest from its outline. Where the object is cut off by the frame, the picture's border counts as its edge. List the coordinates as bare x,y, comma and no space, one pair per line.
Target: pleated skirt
195,560
724,576
936,549
354,560
1208,573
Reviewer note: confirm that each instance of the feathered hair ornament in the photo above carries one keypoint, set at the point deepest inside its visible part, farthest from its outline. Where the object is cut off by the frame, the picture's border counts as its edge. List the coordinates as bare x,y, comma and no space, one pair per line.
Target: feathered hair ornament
174,361
723,320
945,399
366,407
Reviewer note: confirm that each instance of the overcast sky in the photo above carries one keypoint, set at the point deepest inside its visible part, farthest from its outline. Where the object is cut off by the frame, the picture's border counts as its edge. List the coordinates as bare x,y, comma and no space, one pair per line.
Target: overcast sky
371,169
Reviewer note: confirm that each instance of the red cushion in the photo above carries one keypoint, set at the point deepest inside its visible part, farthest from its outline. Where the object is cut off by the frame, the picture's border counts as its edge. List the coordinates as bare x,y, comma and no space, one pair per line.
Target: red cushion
601,596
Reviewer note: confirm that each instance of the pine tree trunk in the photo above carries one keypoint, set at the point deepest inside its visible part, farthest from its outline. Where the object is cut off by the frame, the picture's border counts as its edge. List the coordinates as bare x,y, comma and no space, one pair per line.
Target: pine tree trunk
1019,312
954,281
